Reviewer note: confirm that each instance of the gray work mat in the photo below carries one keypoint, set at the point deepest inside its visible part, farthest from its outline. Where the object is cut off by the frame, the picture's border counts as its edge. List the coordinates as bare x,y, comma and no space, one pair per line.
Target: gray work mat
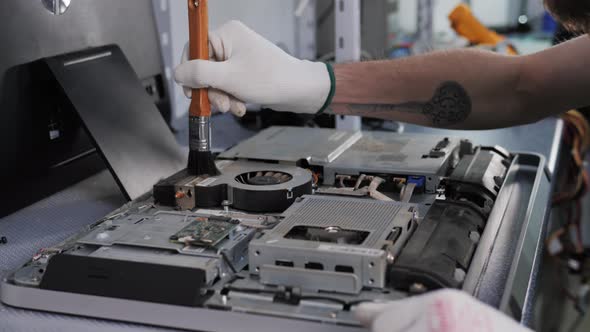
55,218
45,224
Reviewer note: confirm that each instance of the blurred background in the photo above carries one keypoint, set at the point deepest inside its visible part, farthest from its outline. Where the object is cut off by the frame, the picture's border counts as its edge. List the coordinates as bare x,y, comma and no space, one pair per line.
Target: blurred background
388,28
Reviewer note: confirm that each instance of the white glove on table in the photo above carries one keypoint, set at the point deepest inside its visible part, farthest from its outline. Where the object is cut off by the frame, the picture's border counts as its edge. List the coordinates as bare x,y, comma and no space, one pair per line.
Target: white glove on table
440,311
249,69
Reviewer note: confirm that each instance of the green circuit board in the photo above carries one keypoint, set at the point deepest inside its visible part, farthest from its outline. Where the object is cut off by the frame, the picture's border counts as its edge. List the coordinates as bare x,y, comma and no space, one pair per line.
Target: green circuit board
204,232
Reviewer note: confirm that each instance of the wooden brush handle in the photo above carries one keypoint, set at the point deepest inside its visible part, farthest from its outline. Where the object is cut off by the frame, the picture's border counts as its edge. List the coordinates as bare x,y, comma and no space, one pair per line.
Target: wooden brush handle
198,21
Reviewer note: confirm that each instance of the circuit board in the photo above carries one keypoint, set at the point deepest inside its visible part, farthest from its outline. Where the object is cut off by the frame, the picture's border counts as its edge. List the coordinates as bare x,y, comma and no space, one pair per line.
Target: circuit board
204,232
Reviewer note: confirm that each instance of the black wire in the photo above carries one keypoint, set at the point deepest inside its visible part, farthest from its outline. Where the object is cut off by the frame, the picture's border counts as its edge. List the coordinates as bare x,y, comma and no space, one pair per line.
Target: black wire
346,304
570,132
583,190
325,298
579,194
252,290
353,303
357,302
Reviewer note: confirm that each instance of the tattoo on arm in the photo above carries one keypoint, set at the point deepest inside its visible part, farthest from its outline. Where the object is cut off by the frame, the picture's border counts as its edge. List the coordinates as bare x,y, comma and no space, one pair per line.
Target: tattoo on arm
450,105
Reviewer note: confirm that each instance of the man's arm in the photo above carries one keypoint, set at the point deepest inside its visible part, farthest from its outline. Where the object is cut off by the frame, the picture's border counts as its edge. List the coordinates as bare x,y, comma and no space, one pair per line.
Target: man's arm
467,89
455,89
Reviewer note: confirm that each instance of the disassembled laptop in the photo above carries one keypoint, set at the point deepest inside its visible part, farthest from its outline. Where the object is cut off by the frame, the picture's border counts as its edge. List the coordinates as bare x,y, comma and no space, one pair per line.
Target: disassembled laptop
303,223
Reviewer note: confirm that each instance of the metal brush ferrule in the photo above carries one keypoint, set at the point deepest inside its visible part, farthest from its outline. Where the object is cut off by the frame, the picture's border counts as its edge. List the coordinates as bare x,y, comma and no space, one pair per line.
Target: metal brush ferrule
200,133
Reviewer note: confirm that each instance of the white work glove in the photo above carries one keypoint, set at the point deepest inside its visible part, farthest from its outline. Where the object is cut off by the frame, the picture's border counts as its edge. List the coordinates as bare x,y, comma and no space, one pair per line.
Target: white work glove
246,68
440,311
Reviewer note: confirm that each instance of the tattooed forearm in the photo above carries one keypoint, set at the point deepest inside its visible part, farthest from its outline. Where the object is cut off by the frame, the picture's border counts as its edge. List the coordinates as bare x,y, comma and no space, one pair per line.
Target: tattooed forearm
450,105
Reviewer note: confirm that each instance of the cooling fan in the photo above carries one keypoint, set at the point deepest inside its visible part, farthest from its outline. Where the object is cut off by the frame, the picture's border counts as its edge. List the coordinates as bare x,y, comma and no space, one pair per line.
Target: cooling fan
246,185
264,178
260,187
254,186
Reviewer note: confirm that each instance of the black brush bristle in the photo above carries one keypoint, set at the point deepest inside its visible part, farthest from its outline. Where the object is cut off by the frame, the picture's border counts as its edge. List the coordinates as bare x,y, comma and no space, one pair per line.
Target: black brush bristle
202,163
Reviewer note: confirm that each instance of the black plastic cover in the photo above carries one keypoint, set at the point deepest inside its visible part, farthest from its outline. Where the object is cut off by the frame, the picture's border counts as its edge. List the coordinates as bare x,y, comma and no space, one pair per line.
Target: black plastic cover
120,118
477,179
442,243
125,279
268,201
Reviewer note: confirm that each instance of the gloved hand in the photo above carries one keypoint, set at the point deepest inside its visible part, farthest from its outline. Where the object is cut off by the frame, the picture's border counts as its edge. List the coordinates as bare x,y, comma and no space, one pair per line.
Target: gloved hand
246,68
440,311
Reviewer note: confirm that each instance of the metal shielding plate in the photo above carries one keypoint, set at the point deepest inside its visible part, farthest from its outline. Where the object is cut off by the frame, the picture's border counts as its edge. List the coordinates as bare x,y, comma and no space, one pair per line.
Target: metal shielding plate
367,261
352,153
384,152
291,144
151,231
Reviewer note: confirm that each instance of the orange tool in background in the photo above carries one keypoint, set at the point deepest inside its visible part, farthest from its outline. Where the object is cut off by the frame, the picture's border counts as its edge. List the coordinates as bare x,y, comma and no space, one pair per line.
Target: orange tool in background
201,161
468,26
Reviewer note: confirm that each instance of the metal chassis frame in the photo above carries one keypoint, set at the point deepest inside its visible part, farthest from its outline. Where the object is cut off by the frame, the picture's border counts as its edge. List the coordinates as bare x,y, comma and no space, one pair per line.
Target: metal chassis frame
523,269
